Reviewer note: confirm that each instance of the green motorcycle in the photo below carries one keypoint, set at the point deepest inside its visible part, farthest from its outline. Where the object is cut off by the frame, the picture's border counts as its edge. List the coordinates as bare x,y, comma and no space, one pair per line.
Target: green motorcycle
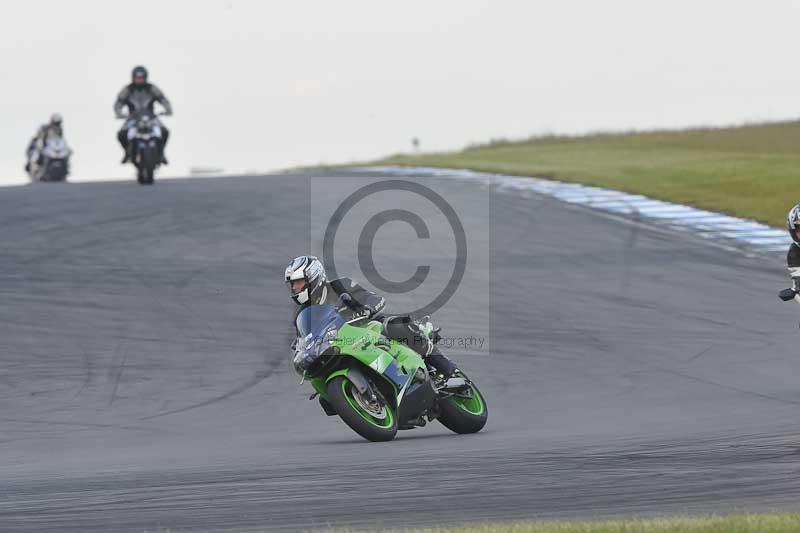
377,385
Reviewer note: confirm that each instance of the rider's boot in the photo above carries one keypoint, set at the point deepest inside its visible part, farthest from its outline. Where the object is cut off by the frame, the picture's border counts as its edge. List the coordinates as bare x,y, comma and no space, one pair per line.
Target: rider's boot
442,364
163,150
33,156
433,356
421,336
128,148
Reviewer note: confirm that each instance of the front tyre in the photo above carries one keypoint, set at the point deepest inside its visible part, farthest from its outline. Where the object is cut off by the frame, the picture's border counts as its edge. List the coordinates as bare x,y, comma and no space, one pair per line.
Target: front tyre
146,163
464,412
150,161
144,175
54,171
375,421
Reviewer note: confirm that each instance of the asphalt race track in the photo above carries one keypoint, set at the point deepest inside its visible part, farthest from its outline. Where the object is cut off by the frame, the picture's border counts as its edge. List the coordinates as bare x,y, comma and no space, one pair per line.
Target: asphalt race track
145,381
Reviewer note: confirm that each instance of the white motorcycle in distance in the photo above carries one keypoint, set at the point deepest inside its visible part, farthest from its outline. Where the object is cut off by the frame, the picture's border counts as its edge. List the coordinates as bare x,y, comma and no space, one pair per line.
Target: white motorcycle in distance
144,137
50,161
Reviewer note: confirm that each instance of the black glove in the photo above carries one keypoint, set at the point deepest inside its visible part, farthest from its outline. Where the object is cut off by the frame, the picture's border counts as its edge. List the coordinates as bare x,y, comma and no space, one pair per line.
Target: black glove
356,306
787,294
366,310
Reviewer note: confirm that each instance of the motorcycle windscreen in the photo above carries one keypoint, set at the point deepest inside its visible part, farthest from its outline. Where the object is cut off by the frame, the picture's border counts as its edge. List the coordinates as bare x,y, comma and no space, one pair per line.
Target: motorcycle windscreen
316,320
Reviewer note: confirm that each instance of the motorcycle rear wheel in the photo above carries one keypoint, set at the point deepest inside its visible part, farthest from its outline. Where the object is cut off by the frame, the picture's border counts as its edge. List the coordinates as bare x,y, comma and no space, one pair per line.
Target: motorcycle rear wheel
465,412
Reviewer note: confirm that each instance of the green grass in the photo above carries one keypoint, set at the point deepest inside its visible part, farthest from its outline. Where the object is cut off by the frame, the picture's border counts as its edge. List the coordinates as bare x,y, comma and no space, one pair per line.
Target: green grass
750,523
751,171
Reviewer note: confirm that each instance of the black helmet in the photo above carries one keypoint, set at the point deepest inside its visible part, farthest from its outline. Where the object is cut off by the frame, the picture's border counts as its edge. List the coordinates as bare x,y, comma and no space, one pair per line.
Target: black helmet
139,72
793,223
309,269
56,119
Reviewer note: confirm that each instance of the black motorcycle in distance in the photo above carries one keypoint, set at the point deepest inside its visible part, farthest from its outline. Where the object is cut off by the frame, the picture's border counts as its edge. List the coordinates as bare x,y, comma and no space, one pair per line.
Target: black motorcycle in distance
144,136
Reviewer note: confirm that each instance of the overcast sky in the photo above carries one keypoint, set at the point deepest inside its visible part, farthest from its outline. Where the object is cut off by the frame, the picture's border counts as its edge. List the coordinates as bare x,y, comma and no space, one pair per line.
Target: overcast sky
259,85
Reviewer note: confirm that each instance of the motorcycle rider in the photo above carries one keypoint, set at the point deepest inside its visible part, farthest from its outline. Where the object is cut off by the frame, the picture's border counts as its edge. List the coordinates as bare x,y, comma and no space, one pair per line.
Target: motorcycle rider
308,285
793,257
54,127
140,96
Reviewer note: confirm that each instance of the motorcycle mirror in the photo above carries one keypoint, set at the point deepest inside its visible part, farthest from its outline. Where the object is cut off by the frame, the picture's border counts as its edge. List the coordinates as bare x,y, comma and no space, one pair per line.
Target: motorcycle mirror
786,295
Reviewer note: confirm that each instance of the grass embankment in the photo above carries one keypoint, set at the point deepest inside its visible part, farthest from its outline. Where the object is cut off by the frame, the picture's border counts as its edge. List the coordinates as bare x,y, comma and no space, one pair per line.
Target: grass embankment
749,171
751,523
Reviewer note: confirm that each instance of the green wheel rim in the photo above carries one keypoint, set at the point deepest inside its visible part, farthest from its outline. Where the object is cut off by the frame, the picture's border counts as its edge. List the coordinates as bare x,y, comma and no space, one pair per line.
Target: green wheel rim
383,423
473,405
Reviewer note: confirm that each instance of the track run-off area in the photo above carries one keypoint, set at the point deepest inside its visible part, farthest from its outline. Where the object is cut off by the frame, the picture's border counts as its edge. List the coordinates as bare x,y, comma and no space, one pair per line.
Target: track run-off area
146,381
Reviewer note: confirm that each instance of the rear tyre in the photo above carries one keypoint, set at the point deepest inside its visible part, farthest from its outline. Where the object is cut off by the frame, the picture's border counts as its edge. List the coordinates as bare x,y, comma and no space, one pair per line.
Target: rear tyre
375,421
465,412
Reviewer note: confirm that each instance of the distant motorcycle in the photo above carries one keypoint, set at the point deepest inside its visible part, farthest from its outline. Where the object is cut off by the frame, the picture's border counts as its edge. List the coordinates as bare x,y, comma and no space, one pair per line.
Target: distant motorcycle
144,136
52,162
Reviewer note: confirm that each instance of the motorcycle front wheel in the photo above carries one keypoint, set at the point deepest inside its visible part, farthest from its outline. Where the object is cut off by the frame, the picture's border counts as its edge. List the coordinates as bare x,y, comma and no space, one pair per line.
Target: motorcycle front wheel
375,420
146,165
55,173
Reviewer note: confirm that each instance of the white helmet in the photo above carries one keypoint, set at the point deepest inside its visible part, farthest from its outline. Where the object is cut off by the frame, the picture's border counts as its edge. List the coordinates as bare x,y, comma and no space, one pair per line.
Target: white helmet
309,269
793,223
